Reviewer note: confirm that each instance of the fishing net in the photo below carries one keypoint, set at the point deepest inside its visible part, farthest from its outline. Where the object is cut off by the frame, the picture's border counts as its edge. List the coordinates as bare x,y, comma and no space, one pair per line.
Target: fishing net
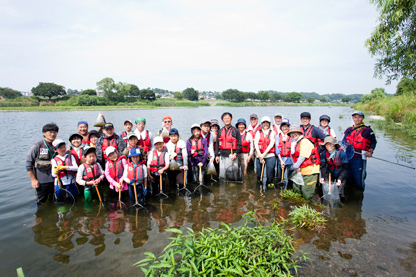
99,122
330,191
173,165
211,169
233,173
347,148
297,178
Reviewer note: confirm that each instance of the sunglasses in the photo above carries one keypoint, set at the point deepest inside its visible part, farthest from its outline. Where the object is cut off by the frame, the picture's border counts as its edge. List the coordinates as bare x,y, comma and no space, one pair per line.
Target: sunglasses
167,121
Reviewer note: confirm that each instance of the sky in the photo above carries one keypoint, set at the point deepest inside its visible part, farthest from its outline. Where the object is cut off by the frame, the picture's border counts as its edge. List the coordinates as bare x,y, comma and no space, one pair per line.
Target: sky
304,46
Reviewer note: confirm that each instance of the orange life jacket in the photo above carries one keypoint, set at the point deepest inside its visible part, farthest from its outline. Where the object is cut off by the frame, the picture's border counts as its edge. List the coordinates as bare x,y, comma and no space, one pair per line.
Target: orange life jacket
245,145
66,162
285,145
226,139
356,139
116,169
264,143
311,160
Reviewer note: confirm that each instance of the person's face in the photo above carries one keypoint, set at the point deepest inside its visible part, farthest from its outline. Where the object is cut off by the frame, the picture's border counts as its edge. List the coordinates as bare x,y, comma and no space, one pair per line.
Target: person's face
174,138
108,132
284,128
205,128
305,121
113,156
135,159
324,123
214,128
128,126
265,125
254,121
241,127
83,129
277,120
50,135
93,139
330,147
61,150
159,146
227,119
295,135
90,158
133,141
167,123
196,132
76,141
140,126
358,119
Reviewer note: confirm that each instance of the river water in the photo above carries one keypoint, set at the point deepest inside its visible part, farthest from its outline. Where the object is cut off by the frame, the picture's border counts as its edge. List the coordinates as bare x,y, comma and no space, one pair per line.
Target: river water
369,235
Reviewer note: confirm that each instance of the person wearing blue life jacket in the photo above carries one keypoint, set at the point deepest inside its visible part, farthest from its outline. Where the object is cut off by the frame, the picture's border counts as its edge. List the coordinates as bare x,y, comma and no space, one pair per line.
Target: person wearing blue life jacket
334,161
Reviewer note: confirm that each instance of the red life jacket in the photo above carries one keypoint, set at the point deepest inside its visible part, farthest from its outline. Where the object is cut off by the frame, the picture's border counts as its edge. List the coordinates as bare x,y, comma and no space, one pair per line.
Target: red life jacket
328,130
145,143
254,130
158,162
90,172
312,159
264,143
226,139
124,136
356,139
245,145
285,145
207,137
135,172
106,143
76,156
308,134
116,169
198,147
275,129
66,162
179,156
334,163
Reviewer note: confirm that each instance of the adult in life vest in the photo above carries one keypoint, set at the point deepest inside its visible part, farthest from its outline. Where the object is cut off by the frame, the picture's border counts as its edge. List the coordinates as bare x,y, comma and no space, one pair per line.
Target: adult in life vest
64,170
264,144
135,173
108,138
197,152
157,165
214,132
228,139
309,131
166,126
277,121
247,146
144,136
76,148
128,126
306,162
178,159
254,126
114,169
363,139
82,128
324,126
206,134
38,164
283,148
334,161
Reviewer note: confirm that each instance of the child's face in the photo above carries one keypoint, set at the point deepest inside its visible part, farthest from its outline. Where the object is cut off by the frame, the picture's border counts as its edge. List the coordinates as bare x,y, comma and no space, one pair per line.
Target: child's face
324,123
133,141
205,128
61,150
196,132
93,139
135,159
90,158
214,128
174,138
76,141
128,126
159,146
113,156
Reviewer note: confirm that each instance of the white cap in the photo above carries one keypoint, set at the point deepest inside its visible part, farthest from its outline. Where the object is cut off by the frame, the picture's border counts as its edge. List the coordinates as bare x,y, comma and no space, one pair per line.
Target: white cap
57,142
265,118
157,139
195,126
109,150
278,114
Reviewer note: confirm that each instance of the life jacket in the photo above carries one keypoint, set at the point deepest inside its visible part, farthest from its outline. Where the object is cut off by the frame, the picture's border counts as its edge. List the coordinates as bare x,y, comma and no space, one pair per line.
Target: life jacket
356,139
145,143
275,129
285,145
198,147
326,131
107,143
226,139
76,156
245,145
135,172
179,156
207,137
90,172
124,136
66,162
43,160
254,130
308,134
158,162
335,162
116,169
264,143
311,160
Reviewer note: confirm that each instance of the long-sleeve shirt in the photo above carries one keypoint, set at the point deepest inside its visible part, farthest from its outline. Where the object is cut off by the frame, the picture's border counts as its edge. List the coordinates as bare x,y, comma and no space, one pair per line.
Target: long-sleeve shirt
126,172
80,173
121,145
171,149
68,178
269,147
109,178
223,152
368,133
43,176
197,159
142,135
210,144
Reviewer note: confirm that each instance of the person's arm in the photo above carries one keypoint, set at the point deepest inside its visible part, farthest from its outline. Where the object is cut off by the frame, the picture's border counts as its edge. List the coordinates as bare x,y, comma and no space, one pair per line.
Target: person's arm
318,133
78,178
188,147
74,166
99,149
166,163
152,147
250,138
343,175
144,176
101,172
333,133
217,144
53,166
256,143
237,135
205,156
272,142
124,177
107,174
276,145
121,144
211,147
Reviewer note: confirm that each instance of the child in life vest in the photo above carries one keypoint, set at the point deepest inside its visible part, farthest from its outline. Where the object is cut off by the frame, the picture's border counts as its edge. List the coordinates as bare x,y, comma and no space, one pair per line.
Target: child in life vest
324,126
92,138
283,151
135,174
90,174
133,142
114,169
177,154
247,145
128,126
76,148
157,164
197,152
64,169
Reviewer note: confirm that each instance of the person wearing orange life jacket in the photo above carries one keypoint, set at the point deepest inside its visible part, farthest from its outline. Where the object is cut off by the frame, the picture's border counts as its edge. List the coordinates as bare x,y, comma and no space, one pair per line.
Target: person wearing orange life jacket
283,148
65,168
157,164
363,139
135,173
179,155
228,138
306,161
76,148
309,131
114,169
166,126
277,121
197,152
247,146
144,136
128,126
264,144
108,138
324,126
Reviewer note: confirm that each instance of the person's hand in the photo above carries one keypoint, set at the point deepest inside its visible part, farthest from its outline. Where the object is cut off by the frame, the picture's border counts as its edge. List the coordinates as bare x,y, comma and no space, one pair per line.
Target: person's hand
217,160
338,183
248,158
233,157
90,183
132,181
368,154
192,151
35,183
55,170
200,164
185,167
160,171
262,161
261,157
151,178
321,180
283,165
62,167
211,160
118,185
97,181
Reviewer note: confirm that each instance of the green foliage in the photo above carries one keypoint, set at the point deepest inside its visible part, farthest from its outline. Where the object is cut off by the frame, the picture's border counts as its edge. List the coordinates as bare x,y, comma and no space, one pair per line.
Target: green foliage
233,95
406,86
393,40
251,95
147,94
291,194
295,97
20,102
88,100
325,99
9,93
191,94
178,95
240,251
377,93
133,91
275,97
48,90
310,99
306,217
263,95
92,92
346,99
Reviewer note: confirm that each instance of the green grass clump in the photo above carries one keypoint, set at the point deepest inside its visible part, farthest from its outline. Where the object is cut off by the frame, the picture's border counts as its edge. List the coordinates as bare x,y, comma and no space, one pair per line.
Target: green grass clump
291,194
240,251
306,217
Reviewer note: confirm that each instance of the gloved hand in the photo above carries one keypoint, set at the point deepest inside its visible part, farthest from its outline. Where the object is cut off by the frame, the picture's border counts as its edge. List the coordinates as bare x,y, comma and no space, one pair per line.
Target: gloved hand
55,170
61,167
132,181
144,192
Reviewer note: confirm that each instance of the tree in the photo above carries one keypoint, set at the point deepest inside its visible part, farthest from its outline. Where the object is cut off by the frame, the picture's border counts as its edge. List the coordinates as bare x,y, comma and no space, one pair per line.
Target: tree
48,90
310,99
191,94
275,97
178,95
233,95
263,95
377,93
346,99
114,92
89,92
406,86
295,97
9,93
393,40
133,91
251,95
324,99
147,94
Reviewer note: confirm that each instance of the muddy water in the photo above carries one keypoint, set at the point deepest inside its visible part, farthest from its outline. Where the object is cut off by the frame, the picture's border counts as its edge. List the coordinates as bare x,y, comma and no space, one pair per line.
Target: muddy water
372,234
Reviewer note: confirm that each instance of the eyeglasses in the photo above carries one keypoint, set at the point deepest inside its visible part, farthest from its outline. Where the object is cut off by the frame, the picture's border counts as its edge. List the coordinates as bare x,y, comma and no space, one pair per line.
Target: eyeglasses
167,121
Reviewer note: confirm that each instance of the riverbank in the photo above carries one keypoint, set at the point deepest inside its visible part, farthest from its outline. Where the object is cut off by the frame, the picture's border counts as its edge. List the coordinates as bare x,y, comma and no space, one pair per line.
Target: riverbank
399,112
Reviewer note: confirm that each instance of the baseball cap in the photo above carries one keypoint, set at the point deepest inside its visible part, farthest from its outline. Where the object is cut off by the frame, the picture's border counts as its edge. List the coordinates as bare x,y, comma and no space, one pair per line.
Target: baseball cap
57,142
108,126
109,150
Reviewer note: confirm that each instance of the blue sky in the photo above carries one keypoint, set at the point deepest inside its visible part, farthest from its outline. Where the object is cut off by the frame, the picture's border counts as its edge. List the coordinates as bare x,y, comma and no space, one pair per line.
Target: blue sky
209,45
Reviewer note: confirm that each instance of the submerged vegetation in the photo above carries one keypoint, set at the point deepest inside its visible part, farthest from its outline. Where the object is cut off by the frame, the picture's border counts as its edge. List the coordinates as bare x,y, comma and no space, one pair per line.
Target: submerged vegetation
306,217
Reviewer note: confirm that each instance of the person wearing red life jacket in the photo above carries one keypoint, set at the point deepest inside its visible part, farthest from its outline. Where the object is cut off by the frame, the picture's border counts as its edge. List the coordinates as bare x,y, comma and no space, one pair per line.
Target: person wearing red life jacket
197,152
247,145
64,168
114,169
108,138
363,139
254,127
92,138
157,164
82,127
228,138
283,148
76,148
309,131
264,144
133,142
135,173
324,126
306,162
144,136
128,126
277,121
178,154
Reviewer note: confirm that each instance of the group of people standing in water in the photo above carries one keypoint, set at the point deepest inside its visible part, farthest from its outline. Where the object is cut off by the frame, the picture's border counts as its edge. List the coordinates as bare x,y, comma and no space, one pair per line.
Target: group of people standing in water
139,164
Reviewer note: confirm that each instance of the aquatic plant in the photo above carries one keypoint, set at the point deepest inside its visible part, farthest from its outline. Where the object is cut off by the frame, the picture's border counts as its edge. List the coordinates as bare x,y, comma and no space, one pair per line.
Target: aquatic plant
306,217
291,194
247,250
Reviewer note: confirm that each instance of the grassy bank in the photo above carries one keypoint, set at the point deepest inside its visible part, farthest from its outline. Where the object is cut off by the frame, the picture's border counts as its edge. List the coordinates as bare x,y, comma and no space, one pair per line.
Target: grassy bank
262,104
399,112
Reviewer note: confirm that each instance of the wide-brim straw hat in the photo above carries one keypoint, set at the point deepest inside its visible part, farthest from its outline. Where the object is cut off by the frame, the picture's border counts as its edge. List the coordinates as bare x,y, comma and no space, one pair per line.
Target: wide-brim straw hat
331,140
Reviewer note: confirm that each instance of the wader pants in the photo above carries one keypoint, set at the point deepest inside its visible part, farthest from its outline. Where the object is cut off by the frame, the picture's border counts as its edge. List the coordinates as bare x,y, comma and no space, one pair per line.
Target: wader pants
308,189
